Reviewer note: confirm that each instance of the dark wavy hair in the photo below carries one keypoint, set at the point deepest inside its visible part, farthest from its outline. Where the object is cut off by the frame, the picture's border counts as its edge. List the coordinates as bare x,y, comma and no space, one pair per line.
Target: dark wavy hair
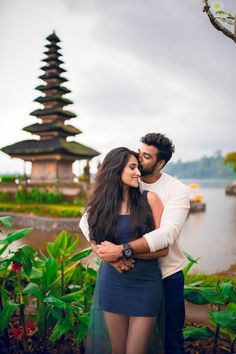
104,204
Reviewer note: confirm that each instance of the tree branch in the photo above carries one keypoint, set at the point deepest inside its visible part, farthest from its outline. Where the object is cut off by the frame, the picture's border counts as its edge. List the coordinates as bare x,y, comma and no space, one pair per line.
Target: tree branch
217,23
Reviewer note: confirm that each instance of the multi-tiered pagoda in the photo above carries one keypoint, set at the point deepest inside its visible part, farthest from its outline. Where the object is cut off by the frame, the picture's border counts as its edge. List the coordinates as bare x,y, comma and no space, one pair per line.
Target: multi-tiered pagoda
52,155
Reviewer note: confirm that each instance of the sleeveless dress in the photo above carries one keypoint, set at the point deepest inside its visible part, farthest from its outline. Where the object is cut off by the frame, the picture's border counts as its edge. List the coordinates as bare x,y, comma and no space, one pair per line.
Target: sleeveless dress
133,293
138,292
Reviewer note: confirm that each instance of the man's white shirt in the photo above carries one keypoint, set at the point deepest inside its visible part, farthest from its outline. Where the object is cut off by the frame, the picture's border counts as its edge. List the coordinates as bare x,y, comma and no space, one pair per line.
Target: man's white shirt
175,199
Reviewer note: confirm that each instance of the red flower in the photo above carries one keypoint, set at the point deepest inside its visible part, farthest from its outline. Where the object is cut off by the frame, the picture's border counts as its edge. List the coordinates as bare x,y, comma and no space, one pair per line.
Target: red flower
15,266
16,333
30,329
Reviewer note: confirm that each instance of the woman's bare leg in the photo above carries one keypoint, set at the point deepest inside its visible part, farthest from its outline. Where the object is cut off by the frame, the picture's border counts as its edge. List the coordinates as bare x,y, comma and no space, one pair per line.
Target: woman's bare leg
117,326
140,334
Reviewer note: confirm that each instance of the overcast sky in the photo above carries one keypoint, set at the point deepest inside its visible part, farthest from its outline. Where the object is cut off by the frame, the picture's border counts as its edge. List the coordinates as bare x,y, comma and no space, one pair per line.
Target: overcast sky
133,66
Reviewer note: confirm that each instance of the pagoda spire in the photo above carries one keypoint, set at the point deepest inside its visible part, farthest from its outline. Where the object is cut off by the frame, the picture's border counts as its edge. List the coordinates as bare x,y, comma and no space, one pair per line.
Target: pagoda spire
53,149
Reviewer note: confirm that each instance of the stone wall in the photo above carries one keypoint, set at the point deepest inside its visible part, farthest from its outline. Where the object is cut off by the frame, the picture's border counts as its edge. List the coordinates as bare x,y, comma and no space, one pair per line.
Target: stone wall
44,223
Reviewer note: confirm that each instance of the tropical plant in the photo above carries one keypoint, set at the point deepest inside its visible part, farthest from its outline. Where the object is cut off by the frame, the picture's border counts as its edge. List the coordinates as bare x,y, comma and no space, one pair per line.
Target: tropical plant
54,289
222,298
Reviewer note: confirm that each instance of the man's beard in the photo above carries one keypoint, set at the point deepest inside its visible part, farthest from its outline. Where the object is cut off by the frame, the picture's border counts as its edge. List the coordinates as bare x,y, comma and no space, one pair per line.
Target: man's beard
147,171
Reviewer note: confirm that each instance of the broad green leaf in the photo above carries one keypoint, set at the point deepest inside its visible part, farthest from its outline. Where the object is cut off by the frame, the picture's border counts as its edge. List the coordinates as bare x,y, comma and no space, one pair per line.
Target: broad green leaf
81,329
85,253
226,319
92,272
55,301
231,307
6,313
226,290
16,235
33,289
50,270
68,273
69,241
52,250
36,274
191,260
195,295
197,333
72,247
4,294
25,255
62,327
61,241
76,295
6,221
3,248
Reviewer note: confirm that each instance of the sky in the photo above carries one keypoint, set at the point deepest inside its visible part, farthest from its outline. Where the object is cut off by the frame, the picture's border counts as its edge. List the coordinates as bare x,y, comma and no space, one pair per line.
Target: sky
133,66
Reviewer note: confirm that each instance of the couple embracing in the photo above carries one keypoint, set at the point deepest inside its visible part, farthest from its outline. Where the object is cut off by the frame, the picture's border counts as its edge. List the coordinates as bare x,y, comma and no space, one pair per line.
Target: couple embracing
133,220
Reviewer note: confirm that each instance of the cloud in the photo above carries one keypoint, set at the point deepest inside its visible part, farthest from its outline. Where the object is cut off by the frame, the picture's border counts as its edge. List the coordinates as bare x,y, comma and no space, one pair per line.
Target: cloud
133,67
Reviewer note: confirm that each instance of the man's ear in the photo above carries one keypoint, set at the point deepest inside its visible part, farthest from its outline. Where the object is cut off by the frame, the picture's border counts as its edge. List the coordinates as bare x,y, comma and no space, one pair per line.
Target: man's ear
161,164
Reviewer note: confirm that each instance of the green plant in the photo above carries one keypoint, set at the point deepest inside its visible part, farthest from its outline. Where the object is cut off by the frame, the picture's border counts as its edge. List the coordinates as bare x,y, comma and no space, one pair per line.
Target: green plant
222,297
56,286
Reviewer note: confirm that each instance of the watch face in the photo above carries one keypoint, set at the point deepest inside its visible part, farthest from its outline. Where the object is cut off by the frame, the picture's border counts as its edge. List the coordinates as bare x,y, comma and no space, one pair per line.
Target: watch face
128,252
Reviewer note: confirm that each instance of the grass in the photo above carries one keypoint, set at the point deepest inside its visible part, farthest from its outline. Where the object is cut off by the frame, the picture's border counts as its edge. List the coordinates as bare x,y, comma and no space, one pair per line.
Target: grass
209,280
55,210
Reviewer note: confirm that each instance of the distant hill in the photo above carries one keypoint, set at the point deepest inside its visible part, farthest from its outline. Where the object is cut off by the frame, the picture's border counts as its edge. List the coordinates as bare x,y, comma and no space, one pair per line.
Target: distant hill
206,167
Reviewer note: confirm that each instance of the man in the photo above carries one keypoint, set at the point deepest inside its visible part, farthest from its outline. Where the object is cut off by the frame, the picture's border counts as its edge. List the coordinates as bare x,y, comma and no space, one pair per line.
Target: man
155,151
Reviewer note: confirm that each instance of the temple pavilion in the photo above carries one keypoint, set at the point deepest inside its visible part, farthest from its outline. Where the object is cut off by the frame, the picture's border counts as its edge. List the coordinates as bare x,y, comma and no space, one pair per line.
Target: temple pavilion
52,155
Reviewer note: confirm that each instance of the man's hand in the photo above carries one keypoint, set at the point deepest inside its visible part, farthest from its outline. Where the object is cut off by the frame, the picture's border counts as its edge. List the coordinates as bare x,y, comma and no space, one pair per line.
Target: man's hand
109,252
123,265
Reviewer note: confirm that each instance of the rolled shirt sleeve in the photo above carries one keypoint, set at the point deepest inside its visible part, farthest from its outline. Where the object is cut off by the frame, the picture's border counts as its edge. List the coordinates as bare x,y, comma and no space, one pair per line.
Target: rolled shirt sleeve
172,220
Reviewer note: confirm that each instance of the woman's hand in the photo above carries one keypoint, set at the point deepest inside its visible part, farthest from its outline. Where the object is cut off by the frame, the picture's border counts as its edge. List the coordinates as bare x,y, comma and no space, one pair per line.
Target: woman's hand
123,265
108,251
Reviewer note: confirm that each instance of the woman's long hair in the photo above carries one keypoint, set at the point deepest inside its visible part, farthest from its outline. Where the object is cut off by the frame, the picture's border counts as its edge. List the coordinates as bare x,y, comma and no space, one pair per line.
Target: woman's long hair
104,204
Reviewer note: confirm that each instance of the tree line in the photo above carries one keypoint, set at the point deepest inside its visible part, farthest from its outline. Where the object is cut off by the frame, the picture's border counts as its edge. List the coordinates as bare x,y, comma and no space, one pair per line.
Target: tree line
206,167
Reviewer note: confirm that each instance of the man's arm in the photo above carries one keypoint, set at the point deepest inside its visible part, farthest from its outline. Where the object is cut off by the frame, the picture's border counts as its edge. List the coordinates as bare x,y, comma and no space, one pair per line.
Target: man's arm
172,221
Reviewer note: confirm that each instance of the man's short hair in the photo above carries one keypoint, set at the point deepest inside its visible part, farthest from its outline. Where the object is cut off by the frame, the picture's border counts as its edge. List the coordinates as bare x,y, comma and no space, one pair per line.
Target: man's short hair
164,145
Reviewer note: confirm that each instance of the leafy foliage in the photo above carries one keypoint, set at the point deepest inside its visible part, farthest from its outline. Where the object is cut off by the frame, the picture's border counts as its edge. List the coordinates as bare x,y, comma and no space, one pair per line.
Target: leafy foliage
206,167
57,286
230,159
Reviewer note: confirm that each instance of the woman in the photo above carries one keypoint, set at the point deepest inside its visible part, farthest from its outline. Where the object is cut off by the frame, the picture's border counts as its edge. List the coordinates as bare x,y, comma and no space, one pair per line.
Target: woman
130,302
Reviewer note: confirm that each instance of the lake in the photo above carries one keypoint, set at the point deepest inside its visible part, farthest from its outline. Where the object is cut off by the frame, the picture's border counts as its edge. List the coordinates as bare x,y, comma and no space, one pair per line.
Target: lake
210,235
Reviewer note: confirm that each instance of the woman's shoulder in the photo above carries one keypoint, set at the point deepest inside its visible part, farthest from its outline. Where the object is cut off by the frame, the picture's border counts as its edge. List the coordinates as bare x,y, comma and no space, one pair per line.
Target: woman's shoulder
152,198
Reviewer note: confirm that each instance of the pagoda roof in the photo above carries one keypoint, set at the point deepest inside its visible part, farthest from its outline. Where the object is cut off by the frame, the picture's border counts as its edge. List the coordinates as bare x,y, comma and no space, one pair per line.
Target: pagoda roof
52,86
43,99
51,51
53,67
48,60
52,76
52,127
53,111
50,146
53,38
53,46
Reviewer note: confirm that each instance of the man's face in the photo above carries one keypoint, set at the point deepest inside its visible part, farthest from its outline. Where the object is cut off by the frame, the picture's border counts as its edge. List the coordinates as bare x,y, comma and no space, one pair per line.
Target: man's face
147,159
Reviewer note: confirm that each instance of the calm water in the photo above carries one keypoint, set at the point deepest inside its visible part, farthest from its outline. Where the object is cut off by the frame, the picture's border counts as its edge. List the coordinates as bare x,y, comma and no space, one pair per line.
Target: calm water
210,235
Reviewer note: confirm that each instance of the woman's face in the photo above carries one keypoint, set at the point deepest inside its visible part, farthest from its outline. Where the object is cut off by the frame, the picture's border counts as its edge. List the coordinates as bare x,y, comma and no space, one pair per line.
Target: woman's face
130,173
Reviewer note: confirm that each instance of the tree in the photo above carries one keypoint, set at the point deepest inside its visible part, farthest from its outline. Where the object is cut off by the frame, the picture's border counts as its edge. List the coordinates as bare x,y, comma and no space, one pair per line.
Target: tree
220,19
231,159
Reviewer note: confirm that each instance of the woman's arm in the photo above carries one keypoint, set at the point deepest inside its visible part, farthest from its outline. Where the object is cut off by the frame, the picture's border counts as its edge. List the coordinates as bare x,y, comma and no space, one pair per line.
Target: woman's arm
157,210
121,265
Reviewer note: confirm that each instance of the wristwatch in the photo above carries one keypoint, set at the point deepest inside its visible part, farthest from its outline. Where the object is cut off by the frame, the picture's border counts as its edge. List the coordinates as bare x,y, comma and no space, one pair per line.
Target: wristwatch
127,251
